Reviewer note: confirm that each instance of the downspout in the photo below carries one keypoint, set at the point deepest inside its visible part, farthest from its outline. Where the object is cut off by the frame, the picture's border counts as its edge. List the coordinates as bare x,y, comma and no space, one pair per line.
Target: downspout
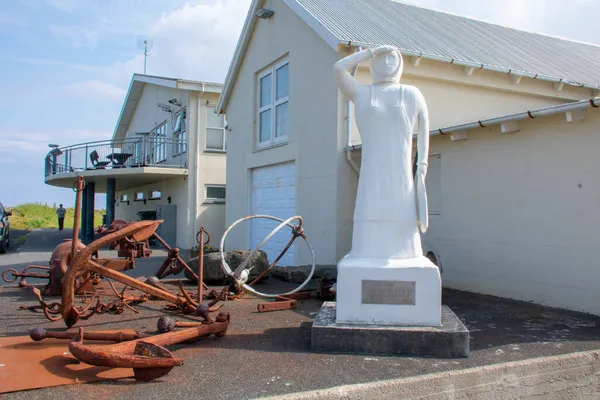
349,123
196,155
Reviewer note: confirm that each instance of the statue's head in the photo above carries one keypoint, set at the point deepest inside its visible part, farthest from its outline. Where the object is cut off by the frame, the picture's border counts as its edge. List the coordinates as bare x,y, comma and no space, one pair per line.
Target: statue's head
387,67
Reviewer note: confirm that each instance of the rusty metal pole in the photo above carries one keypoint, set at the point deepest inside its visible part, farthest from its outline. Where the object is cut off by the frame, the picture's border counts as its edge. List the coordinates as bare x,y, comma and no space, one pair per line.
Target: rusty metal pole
200,265
78,190
201,243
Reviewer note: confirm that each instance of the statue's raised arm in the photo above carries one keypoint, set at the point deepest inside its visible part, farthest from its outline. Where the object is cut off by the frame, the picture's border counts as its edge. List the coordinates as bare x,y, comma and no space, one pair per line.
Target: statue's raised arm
422,158
348,84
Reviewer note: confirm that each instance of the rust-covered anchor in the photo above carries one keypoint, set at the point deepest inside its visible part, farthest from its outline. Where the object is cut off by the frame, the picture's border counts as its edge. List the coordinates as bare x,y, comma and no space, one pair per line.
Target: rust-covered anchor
148,357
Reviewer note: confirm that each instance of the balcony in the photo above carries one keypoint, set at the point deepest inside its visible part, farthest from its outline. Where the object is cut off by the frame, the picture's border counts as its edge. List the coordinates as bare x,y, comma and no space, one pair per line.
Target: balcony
132,162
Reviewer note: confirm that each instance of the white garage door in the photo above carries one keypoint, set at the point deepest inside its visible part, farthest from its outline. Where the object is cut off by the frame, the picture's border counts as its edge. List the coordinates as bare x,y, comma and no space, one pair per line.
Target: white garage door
273,193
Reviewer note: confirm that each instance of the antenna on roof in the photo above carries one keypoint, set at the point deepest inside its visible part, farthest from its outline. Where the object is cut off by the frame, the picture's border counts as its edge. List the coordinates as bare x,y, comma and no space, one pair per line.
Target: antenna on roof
146,44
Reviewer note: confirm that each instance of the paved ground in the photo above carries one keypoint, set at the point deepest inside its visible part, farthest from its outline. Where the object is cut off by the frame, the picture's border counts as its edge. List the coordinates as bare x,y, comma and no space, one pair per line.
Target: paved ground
269,353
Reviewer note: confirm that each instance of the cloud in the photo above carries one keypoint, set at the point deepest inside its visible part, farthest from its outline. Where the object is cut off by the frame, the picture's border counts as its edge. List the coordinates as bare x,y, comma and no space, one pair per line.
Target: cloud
194,42
96,90
21,144
12,20
78,35
62,5
54,63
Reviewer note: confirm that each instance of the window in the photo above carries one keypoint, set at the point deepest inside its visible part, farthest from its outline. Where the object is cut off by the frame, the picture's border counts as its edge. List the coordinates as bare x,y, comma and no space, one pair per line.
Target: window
215,194
159,145
139,196
124,197
180,133
215,130
155,194
272,118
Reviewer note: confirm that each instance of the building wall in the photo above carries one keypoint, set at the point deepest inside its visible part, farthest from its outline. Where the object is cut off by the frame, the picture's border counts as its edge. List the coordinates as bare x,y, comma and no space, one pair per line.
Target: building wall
175,188
326,183
148,115
519,212
211,171
453,103
313,141
204,167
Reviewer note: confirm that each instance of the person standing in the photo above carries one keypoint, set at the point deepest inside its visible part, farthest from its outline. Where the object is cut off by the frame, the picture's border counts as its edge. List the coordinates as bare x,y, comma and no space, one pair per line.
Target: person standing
60,211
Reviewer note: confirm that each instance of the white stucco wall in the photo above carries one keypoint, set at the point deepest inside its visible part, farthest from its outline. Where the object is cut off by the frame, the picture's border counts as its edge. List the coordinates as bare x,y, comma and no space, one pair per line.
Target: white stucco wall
326,184
520,212
452,103
175,188
147,113
203,167
211,171
312,130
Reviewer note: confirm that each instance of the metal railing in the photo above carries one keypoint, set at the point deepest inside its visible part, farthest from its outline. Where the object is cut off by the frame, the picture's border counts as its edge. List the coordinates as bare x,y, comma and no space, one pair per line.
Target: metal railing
148,151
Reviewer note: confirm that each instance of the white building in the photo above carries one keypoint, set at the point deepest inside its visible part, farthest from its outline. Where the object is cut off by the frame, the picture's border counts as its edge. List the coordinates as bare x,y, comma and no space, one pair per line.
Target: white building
512,191
166,160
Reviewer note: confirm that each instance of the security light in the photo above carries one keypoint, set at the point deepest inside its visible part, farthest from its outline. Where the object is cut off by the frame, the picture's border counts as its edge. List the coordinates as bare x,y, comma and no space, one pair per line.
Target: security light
265,13
175,102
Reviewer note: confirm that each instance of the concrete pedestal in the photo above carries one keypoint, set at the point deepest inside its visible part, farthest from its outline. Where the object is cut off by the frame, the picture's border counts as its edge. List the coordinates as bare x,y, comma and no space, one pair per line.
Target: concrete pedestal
449,340
376,291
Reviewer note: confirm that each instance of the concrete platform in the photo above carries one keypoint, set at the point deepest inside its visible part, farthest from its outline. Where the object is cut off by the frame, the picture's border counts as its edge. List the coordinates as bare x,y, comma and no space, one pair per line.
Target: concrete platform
451,340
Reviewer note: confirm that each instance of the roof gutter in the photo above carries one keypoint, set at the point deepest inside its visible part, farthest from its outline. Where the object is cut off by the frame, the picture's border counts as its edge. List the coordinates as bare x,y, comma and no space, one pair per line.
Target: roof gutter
541,112
477,65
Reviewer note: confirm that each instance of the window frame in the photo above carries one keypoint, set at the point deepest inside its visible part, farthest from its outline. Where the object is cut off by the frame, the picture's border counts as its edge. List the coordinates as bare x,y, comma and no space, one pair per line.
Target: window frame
206,128
158,147
151,194
271,70
180,137
212,200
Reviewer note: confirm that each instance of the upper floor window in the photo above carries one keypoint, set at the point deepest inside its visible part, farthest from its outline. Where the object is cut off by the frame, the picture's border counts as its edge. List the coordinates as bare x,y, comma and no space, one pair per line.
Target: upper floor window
215,130
159,145
272,92
180,133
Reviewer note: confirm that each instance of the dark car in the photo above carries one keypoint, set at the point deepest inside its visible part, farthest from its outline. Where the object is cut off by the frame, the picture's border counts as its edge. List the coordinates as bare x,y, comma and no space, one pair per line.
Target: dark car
4,229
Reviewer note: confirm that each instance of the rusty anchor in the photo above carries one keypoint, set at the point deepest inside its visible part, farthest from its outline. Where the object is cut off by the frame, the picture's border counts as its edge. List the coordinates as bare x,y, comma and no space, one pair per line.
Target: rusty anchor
148,356
39,334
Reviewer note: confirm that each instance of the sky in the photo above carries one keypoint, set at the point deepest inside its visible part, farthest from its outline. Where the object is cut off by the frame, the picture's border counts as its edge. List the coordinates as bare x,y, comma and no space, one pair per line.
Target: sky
65,65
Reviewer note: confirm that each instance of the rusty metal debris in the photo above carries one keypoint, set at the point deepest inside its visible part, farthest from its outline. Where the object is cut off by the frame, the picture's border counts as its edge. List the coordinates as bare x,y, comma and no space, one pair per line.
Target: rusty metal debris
287,302
148,356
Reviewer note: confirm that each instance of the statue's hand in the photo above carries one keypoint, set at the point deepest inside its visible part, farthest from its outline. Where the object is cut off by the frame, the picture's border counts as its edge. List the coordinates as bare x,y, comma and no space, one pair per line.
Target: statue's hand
422,212
383,50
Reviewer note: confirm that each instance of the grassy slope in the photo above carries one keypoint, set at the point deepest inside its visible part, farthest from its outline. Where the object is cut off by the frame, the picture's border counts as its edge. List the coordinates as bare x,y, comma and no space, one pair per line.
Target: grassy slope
32,216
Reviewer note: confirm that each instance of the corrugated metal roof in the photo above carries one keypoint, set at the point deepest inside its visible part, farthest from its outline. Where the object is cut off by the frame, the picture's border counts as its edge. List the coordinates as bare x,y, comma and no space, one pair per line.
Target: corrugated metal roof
436,34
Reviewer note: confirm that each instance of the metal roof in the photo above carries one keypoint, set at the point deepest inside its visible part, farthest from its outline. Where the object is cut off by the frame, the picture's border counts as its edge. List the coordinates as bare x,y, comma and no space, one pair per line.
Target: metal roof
448,37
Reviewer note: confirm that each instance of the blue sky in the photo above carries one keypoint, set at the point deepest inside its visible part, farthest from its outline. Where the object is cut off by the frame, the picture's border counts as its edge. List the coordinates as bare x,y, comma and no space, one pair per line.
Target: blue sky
65,65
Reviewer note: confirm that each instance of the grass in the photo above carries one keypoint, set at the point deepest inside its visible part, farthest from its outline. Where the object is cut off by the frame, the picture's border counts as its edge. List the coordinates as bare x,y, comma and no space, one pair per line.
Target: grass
31,216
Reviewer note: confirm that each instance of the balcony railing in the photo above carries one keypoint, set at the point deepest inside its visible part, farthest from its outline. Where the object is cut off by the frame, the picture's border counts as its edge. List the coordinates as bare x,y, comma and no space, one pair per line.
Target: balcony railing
149,151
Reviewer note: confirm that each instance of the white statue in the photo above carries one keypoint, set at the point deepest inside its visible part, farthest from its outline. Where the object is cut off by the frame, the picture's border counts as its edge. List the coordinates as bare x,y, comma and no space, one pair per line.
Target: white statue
391,206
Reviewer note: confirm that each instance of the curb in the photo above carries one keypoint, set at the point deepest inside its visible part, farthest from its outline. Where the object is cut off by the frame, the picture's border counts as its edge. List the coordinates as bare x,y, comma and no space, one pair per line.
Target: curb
569,376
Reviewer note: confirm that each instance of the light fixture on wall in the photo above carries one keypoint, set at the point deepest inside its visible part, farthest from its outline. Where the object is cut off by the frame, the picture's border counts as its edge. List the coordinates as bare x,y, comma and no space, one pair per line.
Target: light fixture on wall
175,102
165,107
169,199
265,13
